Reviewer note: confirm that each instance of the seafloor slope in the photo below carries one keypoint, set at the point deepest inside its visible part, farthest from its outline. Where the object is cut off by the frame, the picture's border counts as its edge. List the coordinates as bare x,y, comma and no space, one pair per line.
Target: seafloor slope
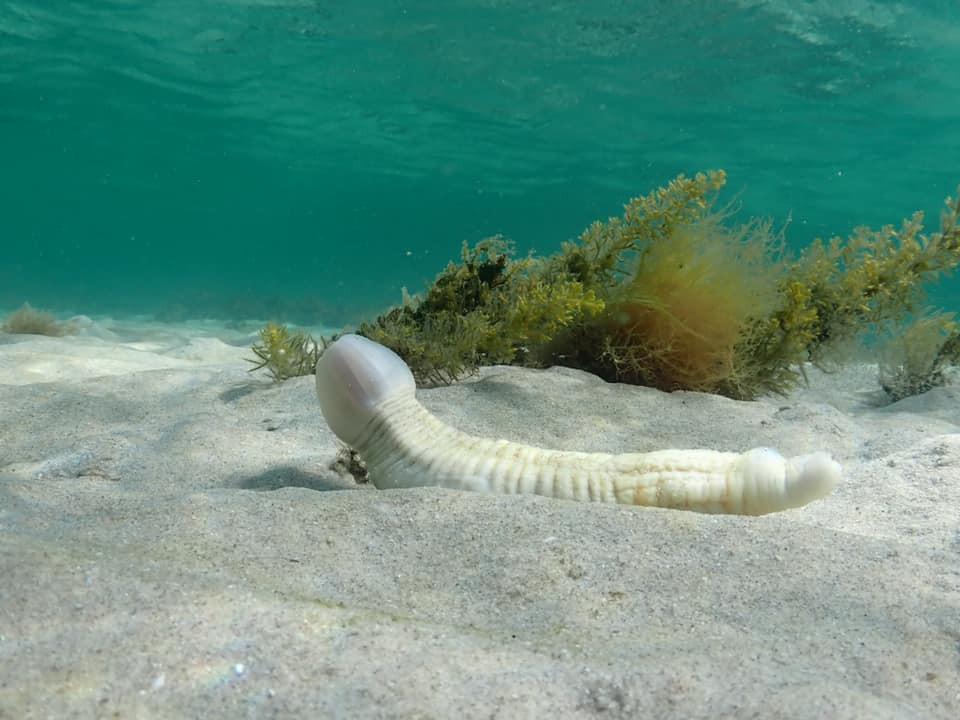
175,543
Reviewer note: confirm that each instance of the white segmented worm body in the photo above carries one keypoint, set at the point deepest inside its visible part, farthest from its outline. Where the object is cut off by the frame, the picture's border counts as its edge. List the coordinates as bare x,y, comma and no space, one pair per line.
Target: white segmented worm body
367,396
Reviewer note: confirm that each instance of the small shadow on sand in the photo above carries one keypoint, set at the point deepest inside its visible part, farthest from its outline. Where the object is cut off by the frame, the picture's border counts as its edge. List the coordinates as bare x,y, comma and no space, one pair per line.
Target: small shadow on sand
239,390
286,476
500,388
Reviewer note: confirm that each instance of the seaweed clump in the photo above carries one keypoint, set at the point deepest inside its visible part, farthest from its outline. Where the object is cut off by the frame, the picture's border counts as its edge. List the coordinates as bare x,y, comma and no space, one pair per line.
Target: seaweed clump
285,354
682,290
490,308
672,294
28,321
916,359
695,303
874,279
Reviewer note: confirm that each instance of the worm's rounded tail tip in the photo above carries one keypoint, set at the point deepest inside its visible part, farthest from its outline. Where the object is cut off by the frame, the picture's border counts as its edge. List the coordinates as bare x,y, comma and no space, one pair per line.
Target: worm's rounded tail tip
809,477
772,482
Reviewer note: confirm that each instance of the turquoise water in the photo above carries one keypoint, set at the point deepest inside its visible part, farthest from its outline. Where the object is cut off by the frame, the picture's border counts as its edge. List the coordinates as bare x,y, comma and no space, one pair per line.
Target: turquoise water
303,160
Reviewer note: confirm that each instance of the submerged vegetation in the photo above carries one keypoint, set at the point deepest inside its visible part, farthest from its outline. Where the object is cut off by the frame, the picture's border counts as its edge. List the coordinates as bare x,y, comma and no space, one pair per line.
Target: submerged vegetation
28,321
488,309
285,354
916,359
682,292
672,294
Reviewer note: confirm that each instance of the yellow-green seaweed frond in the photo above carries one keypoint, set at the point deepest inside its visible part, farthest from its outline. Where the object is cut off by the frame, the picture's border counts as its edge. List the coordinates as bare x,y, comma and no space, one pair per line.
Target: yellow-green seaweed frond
487,309
680,318
839,288
285,354
598,258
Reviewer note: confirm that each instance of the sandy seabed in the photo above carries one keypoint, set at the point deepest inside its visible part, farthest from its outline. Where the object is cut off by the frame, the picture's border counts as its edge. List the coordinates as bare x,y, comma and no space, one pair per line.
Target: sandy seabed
176,541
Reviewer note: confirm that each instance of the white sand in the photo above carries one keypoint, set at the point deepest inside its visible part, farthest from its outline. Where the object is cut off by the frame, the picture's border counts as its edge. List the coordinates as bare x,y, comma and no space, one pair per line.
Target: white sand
174,543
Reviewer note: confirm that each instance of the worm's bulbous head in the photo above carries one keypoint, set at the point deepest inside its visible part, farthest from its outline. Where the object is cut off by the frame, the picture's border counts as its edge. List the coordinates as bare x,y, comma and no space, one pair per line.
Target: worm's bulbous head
354,376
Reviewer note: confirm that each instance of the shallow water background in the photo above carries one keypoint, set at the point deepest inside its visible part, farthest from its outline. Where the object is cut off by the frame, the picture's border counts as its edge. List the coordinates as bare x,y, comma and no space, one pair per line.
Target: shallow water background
304,159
